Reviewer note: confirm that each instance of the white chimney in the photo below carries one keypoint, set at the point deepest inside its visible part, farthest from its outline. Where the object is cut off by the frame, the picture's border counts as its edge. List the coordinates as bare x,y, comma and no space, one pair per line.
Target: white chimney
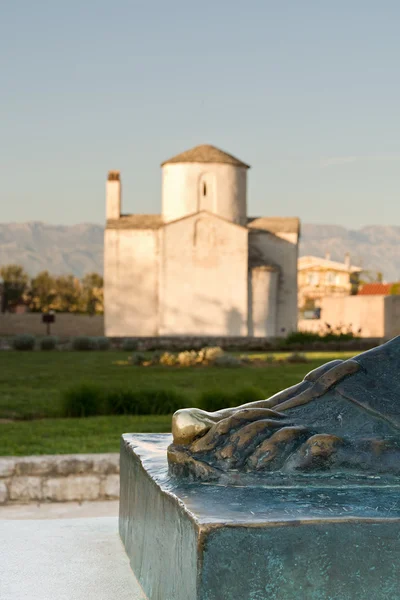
113,195
328,256
347,261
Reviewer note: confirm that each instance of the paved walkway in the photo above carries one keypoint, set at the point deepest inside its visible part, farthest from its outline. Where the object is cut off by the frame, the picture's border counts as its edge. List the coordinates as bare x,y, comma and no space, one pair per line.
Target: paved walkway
45,557
60,510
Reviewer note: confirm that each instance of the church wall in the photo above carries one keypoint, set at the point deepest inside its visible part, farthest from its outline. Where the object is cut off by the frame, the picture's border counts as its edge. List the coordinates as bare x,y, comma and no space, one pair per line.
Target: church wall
203,278
183,190
131,282
281,250
263,289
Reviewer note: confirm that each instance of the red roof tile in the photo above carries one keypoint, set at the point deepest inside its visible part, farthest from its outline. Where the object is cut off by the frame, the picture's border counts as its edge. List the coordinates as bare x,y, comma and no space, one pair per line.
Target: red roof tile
375,289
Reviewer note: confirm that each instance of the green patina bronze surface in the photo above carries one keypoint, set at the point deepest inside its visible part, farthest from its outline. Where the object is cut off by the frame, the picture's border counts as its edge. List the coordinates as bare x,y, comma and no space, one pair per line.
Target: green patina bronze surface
344,418
330,540
291,498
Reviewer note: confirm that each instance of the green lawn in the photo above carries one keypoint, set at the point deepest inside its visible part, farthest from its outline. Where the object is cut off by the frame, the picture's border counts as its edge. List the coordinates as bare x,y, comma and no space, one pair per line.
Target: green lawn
71,436
31,385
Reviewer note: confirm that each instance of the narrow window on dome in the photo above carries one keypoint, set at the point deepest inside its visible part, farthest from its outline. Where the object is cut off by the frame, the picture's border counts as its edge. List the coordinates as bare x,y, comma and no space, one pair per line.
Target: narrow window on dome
204,188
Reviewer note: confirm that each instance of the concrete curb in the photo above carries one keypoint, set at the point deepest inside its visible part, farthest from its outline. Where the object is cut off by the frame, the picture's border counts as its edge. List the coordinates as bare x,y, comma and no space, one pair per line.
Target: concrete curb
59,478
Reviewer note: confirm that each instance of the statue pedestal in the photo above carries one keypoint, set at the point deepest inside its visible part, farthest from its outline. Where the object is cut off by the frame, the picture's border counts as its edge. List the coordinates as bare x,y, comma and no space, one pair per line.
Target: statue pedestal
193,541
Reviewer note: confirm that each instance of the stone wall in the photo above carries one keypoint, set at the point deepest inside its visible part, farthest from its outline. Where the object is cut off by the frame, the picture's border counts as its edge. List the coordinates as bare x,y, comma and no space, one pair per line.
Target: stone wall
61,478
392,316
66,325
376,316
131,281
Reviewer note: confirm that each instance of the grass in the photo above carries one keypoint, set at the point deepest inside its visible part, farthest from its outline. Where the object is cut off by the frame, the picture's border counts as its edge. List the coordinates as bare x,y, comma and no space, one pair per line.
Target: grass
70,436
31,386
317,357
31,383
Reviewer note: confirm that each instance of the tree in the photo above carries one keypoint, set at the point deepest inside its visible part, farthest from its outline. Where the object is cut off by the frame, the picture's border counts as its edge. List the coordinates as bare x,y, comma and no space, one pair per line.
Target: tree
92,293
68,294
15,284
43,292
395,289
371,277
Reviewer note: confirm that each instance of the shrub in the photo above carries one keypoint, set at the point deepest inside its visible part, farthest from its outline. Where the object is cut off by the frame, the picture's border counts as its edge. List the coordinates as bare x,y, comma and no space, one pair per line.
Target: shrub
227,360
155,357
82,343
144,402
88,400
302,337
213,400
245,359
327,334
83,400
48,343
270,359
188,358
247,394
24,342
120,402
137,359
101,343
129,345
297,357
168,359
162,401
209,355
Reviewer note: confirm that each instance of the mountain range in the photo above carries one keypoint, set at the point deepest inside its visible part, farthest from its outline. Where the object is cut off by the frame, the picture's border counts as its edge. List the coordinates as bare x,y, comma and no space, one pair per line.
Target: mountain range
78,249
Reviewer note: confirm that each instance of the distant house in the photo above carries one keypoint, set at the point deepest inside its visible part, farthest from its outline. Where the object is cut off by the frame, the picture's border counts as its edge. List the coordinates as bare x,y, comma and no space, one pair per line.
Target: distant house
319,278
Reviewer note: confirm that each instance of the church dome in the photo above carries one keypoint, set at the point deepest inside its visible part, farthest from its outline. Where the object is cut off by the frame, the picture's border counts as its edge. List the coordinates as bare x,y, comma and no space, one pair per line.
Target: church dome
204,179
206,154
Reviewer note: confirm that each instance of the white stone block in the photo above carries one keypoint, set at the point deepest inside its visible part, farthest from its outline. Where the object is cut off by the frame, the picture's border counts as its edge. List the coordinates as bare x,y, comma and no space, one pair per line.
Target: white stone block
106,464
110,487
73,464
7,467
23,489
67,489
34,465
3,492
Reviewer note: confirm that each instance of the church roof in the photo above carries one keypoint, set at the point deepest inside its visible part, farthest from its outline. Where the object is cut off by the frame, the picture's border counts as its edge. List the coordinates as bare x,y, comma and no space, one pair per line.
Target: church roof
205,154
135,222
270,224
275,224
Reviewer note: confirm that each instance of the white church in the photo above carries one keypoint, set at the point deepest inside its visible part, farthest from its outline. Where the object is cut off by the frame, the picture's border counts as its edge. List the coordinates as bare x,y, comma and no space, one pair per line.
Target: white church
202,267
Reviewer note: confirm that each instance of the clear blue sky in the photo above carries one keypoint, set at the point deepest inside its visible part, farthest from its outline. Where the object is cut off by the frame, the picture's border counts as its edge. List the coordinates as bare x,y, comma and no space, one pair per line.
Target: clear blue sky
307,92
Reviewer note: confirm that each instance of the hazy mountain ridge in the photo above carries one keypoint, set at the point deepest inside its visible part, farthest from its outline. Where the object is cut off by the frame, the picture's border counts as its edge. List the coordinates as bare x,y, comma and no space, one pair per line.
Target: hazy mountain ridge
78,249
59,249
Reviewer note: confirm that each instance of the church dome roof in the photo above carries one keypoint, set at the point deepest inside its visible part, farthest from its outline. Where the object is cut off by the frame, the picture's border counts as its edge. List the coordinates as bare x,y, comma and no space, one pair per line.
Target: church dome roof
206,154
